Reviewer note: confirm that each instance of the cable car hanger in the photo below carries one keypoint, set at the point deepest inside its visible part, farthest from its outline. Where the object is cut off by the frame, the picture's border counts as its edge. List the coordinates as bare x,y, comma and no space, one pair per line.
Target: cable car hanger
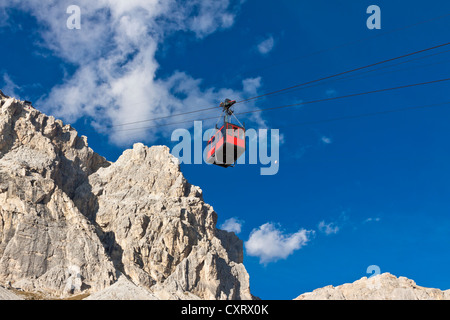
226,109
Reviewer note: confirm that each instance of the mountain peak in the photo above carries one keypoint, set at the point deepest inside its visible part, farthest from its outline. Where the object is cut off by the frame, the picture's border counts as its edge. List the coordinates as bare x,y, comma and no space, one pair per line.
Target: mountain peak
75,223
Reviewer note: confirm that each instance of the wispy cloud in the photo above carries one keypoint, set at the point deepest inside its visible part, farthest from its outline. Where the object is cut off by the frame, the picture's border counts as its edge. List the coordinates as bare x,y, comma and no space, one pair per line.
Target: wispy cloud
9,87
372,219
114,58
335,225
267,45
270,244
232,225
326,140
3,17
328,228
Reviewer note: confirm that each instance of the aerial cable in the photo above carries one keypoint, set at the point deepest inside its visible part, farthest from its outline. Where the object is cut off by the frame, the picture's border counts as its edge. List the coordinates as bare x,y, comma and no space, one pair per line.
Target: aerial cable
348,43
362,75
164,117
322,51
281,91
347,96
364,115
343,73
299,104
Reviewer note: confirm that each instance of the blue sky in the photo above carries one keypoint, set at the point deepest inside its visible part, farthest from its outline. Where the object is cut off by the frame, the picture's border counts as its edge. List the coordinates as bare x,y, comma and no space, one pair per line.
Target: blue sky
348,194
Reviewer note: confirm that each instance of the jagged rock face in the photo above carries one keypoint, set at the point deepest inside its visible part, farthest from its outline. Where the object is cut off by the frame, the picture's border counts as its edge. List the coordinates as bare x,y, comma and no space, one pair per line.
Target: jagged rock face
42,232
158,229
71,221
380,287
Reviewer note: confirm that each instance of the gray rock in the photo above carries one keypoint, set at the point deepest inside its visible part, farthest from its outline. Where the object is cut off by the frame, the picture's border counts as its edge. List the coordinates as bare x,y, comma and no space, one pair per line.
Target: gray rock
6,294
123,289
159,230
380,287
71,222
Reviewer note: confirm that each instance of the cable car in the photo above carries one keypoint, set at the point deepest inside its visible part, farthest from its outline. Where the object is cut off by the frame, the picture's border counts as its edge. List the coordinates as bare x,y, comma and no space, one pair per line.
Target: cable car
228,142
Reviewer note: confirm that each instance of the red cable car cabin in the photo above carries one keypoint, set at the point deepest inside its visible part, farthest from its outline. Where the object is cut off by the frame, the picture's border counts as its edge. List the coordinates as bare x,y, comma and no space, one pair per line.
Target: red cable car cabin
226,146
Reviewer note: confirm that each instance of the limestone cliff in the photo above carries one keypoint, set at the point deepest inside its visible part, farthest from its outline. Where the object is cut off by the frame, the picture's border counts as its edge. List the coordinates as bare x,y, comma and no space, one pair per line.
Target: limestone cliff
380,287
71,222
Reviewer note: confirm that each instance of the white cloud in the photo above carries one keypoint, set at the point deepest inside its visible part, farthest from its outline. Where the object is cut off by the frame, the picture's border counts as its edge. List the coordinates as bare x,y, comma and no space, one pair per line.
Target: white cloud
232,225
251,85
265,46
114,53
370,219
9,87
271,244
326,140
328,228
212,15
3,17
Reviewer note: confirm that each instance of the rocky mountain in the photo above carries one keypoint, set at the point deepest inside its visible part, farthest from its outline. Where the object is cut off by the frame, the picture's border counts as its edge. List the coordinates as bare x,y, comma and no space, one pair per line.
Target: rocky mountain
73,223
6,294
380,287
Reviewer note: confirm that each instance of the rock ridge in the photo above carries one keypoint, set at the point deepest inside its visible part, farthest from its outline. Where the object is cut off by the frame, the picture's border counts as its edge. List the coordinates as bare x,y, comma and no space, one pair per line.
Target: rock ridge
384,286
72,222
